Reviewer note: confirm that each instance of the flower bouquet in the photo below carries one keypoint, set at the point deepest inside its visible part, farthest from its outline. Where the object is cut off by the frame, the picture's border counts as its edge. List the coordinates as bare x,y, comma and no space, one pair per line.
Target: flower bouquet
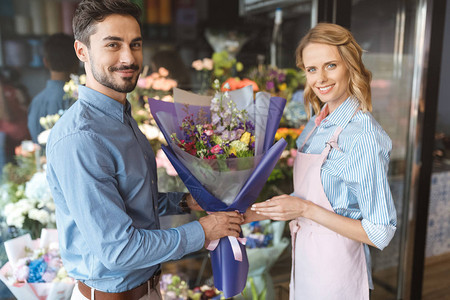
35,269
222,149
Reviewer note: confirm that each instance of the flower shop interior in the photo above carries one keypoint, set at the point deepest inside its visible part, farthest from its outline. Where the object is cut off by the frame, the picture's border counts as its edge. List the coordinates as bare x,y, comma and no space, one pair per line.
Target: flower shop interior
253,42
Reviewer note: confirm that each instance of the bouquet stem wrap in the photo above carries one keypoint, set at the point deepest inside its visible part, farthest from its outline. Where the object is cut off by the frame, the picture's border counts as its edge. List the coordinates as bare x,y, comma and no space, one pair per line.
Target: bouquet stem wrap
230,275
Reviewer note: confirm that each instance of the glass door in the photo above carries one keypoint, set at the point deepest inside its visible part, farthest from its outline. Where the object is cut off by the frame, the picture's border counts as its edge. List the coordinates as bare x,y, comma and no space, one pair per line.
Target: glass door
389,31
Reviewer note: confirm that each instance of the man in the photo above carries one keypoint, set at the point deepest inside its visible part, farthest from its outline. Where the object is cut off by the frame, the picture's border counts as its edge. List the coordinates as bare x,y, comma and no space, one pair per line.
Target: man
102,171
60,59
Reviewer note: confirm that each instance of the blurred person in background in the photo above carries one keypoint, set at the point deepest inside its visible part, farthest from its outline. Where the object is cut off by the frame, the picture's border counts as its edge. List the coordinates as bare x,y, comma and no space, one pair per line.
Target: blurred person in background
61,60
13,120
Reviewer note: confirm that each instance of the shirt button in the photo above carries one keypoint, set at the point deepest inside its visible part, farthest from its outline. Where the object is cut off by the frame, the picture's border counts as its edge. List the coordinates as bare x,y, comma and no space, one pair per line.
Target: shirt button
153,182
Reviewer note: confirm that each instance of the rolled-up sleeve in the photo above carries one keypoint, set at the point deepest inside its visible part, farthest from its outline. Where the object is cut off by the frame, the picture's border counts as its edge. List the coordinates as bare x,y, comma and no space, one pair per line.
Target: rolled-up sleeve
366,176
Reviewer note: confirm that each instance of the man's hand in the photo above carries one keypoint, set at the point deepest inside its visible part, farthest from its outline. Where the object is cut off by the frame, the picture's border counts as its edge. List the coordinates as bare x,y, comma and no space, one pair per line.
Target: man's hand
220,224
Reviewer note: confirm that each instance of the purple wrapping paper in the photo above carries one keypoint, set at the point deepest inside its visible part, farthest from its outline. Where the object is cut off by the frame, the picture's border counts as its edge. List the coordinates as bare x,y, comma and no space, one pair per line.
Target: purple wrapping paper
230,275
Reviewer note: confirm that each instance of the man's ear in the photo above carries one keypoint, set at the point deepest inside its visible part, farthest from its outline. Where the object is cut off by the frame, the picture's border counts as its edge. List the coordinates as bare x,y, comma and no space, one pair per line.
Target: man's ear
81,50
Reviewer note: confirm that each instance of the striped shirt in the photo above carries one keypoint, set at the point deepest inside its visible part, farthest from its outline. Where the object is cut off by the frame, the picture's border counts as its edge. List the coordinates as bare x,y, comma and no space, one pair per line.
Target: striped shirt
354,178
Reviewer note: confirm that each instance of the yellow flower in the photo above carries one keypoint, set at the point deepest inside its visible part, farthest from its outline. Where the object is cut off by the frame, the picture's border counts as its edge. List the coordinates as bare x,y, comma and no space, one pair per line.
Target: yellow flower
282,87
245,138
239,66
232,151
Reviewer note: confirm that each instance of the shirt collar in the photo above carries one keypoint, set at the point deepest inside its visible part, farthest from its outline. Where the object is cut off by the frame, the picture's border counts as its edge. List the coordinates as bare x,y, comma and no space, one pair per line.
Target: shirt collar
55,83
104,103
342,115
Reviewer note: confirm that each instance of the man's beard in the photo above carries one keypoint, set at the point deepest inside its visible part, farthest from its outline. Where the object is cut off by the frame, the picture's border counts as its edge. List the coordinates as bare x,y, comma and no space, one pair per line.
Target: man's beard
129,82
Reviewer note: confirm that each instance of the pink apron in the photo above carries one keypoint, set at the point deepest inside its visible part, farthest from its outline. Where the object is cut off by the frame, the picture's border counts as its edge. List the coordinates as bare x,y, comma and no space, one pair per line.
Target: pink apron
325,264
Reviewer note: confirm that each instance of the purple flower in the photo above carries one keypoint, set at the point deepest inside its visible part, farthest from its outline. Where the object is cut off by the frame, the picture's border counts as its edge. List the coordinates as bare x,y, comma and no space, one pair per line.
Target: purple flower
226,135
220,129
281,77
215,119
239,132
250,126
269,85
273,73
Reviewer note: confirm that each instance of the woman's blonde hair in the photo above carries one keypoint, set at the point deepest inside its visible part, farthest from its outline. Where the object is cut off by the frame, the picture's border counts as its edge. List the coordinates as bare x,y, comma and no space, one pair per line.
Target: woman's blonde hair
350,52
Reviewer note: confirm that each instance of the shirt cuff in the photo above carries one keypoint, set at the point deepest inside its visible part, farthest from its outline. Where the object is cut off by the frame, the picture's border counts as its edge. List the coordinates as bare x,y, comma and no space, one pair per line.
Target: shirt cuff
192,236
379,234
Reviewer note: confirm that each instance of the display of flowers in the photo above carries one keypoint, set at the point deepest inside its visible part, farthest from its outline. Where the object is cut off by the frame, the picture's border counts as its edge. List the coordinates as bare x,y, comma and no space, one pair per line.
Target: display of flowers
47,123
280,180
71,88
204,68
173,288
235,83
225,65
265,244
157,85
34,209
258,236
228,134
279,82
295,115
15,175
205,292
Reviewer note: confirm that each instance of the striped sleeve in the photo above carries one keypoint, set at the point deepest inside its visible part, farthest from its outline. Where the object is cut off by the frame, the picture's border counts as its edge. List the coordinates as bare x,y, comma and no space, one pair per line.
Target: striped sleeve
366,177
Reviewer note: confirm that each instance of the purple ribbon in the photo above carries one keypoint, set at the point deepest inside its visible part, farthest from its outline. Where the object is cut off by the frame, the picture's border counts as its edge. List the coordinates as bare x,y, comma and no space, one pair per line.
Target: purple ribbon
237,253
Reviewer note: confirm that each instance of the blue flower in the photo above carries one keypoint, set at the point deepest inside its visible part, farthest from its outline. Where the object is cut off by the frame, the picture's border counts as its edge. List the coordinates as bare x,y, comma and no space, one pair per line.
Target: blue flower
36,270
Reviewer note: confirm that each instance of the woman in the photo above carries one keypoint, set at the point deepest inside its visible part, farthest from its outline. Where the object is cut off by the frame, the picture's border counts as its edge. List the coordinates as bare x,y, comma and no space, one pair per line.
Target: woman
342,200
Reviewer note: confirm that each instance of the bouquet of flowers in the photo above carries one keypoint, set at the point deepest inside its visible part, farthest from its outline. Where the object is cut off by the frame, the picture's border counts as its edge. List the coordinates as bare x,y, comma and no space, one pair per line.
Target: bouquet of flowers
224,160
35,269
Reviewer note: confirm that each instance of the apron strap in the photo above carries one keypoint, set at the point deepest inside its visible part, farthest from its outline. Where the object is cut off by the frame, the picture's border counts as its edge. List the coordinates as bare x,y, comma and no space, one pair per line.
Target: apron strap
333,141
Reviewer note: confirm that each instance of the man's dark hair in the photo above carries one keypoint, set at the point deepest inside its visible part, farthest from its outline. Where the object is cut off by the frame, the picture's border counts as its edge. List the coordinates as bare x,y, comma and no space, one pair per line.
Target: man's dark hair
90,12
60,54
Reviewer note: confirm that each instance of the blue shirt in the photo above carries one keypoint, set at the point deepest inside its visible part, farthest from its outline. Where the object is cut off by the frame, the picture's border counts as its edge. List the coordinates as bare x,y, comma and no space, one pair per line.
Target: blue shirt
102,174
355,178
48,102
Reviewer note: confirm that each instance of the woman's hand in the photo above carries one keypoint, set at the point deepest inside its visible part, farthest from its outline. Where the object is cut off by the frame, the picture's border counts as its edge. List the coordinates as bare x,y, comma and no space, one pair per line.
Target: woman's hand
283,208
